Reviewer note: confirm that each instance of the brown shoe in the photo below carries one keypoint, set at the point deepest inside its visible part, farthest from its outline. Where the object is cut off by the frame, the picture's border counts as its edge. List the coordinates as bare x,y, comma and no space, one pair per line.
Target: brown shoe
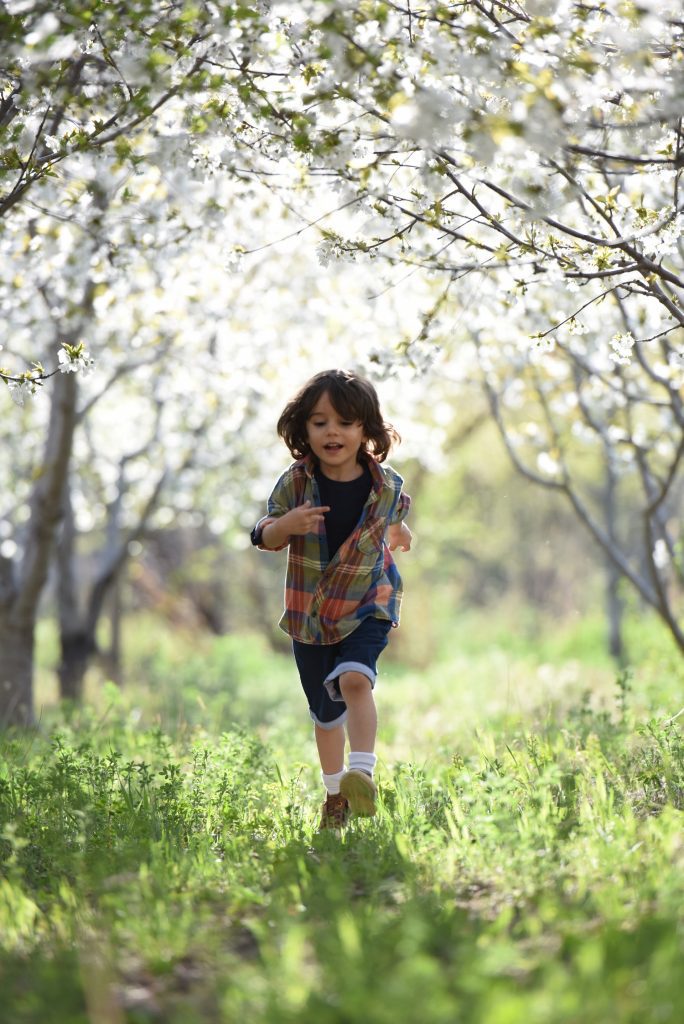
334,812
360,791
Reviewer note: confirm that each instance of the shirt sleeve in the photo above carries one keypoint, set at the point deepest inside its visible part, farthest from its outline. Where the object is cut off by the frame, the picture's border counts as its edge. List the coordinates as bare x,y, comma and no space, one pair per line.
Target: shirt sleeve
401,509
281,500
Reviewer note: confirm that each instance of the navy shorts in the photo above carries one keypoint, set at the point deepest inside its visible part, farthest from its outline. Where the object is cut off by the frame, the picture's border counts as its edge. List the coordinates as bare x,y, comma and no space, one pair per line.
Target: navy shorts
321,665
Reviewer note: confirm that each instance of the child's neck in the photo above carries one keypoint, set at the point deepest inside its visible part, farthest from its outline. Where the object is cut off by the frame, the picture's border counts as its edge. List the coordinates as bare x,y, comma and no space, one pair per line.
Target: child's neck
342,474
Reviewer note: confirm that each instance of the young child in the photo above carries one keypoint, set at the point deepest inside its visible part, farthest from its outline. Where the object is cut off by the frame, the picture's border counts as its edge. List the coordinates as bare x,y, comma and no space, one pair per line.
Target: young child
341,512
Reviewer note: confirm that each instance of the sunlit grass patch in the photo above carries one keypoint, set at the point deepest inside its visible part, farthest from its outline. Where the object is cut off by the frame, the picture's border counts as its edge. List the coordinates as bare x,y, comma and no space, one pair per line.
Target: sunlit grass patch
531,872
160,851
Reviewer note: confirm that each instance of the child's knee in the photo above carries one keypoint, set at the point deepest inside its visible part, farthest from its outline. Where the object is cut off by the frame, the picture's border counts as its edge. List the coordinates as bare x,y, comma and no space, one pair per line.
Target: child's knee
354,684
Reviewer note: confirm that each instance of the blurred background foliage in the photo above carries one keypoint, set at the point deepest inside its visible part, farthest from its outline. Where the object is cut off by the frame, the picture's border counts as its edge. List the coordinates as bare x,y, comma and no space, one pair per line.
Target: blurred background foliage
498,565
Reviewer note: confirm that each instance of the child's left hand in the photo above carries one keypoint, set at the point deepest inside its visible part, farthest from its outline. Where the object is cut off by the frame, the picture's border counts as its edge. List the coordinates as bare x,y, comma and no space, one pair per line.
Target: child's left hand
399,536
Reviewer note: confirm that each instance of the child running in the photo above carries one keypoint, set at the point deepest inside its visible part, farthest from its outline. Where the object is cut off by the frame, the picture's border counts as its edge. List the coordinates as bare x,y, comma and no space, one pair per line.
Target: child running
341,513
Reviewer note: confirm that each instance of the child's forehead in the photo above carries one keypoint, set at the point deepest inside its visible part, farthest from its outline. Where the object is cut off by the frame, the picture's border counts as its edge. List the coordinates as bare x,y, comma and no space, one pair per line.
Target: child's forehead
324,405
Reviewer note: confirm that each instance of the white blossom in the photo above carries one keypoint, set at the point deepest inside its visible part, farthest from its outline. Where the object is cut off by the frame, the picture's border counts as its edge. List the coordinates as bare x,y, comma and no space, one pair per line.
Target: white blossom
545,344
665,242
21,389
661,556
621,348
575,326
324,252
79,363
547,464
675,366
47,25
233,260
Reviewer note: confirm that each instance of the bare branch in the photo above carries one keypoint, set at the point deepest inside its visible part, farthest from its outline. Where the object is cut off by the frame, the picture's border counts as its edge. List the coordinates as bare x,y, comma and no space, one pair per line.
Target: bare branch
626,158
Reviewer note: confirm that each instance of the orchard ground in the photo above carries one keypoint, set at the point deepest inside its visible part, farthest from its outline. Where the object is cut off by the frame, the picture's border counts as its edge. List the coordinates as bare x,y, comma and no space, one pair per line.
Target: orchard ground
161,860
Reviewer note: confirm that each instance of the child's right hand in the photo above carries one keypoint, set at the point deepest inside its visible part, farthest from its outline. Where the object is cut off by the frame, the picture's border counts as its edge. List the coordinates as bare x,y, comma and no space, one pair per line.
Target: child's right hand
304,519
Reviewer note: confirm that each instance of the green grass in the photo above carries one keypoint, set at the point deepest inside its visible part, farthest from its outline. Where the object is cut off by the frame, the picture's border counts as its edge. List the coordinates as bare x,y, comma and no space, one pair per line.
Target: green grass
160,859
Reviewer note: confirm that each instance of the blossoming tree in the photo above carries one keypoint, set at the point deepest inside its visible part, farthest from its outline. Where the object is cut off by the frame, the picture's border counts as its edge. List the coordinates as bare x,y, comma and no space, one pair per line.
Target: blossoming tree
525,153
86,96
529,156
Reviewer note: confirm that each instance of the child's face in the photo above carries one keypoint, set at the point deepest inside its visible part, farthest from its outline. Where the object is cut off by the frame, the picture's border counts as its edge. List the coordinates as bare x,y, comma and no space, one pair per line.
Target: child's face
334,440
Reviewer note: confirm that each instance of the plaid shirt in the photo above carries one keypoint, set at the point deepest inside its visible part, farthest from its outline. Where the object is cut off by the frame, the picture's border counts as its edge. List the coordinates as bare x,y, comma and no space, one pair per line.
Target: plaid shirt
325,601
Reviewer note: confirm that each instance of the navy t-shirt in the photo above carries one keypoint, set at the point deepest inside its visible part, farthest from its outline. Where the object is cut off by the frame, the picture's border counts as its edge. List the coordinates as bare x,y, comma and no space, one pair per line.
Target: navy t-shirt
346,499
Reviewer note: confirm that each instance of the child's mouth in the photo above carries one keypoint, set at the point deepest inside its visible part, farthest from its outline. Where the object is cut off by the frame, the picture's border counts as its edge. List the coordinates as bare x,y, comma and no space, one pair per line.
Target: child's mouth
332,447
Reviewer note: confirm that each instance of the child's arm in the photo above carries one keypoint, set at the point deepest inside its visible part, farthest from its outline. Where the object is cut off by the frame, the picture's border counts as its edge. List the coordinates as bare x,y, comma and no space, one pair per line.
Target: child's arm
295,523
399,536
398,533
285,516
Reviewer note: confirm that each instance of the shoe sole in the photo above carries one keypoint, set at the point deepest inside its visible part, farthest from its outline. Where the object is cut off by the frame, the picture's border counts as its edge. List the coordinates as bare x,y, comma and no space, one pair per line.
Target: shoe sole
360,796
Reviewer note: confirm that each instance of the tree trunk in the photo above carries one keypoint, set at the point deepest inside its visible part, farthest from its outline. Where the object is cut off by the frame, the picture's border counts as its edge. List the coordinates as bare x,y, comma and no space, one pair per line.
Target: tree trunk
78,625
77,649
613,601
19,596
16,673
614,612
112,657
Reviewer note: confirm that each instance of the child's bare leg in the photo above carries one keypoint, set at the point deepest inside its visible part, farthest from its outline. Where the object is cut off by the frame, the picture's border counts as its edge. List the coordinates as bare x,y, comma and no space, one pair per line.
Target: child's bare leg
362,718
330,743
357,786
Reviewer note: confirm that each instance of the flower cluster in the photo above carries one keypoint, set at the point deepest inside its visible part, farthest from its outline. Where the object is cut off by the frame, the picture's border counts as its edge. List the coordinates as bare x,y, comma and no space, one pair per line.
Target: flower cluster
74,359
71,359
22,387
621,348
334,248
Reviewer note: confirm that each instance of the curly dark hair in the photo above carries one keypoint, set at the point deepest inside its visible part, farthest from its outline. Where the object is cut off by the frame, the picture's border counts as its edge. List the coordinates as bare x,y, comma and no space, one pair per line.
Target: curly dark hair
353,397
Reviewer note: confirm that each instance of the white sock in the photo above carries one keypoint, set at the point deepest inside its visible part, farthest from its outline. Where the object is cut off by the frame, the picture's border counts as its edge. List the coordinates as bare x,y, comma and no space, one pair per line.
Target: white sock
363,761
332,782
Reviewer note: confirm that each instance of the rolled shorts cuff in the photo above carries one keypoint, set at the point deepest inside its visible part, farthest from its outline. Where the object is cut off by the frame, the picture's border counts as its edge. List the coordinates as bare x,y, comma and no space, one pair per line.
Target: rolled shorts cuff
340,720
333,687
